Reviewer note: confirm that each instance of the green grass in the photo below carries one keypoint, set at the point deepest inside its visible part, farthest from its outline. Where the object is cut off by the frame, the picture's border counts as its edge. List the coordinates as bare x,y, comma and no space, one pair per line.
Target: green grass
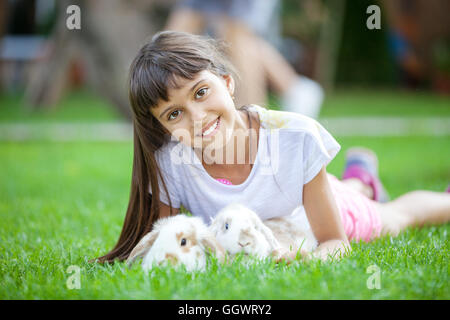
348,102
76,106
394,103
86,106
62,204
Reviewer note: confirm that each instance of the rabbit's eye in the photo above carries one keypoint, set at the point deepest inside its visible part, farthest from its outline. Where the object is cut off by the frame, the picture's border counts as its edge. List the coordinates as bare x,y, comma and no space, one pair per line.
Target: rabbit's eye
226,226
183,241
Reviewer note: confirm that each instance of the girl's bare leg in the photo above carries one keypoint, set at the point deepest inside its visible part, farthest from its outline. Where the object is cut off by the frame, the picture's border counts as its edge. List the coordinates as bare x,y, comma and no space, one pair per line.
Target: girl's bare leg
185,20
359,186
278,70
416,208
245,54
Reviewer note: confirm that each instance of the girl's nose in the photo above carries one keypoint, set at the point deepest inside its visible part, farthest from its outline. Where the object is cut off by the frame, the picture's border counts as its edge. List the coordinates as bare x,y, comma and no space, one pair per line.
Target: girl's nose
199,119
198,114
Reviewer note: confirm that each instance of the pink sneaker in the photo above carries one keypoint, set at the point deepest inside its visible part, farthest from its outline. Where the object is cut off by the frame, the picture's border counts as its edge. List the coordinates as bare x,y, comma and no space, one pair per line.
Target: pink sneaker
362,164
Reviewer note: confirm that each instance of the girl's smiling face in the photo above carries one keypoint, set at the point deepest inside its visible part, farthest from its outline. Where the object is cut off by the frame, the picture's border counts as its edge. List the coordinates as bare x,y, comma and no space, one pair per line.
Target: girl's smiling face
200,110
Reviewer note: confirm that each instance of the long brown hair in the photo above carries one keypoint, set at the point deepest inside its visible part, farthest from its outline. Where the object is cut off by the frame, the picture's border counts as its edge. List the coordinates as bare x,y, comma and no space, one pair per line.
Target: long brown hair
154,70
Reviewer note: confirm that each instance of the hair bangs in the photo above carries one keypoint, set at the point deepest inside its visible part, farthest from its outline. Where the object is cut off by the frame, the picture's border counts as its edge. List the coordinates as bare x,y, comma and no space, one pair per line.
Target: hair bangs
150,82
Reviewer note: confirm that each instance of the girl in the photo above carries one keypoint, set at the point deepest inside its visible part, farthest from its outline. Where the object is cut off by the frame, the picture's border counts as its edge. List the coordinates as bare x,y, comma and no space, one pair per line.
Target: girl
185,154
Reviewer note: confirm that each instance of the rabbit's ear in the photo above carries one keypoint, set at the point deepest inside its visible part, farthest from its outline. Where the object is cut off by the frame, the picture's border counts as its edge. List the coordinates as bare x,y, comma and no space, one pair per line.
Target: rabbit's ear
210,242
215,225
142,247
261,227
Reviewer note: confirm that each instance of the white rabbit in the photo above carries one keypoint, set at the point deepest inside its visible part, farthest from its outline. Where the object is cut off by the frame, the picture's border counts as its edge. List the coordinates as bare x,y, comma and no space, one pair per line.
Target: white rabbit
239,229
179,240
293,231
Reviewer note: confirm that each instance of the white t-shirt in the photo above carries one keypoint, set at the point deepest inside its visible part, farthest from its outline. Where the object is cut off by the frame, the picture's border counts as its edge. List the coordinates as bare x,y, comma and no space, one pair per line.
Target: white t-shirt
291,151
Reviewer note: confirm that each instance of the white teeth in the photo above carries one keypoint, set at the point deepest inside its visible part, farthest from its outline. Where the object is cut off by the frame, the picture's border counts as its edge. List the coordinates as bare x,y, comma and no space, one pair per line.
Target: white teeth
211,129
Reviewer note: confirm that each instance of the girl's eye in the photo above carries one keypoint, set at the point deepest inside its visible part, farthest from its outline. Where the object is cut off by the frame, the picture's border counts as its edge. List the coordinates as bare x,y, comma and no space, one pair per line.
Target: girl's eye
176,112
183,242
201,93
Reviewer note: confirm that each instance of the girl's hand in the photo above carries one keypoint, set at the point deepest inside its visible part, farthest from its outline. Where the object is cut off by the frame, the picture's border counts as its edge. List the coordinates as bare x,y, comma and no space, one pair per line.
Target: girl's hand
287,256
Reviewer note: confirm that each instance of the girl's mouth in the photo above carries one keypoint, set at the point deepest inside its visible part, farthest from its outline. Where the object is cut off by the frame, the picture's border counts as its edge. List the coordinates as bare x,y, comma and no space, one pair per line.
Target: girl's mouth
212,129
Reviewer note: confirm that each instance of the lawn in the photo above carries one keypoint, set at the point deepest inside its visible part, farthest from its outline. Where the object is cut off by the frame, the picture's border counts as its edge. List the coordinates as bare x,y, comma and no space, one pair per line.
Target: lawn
62,204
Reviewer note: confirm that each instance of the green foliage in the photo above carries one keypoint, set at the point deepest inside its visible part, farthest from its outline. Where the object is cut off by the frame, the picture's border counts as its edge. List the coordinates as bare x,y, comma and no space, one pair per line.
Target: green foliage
364,56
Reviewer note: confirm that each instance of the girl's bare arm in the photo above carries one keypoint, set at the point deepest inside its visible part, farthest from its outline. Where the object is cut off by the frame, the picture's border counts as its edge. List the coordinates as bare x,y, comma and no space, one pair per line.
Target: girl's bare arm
324,218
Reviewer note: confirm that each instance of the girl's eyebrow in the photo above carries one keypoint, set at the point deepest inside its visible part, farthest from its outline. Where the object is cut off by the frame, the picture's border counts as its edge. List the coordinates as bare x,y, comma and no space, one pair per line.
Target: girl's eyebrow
174,105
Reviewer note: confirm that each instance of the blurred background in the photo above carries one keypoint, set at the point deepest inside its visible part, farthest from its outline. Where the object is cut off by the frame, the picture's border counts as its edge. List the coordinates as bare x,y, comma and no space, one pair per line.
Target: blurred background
50,72
66,149
377,85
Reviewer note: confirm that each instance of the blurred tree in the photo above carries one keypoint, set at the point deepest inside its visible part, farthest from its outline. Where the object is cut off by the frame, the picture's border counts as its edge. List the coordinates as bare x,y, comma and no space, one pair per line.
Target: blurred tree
330,42
110,35
364,57
317,25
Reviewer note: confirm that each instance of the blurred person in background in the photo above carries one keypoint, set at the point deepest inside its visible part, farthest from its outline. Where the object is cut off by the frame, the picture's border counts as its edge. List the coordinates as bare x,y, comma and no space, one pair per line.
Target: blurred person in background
244,25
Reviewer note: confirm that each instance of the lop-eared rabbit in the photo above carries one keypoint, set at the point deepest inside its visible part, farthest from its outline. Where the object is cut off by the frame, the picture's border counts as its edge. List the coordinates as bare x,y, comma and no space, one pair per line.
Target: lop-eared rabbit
239,229
179,240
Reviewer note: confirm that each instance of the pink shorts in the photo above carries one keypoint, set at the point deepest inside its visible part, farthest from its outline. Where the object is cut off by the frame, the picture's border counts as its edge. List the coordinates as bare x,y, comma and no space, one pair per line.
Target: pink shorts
359,215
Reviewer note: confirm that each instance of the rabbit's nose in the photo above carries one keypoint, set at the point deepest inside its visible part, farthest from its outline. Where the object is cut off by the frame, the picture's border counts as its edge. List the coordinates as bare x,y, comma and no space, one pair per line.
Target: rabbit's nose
244,244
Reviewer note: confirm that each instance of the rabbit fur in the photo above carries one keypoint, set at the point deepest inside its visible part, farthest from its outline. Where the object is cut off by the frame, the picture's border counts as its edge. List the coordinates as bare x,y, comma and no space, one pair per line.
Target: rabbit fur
178,240
239,229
